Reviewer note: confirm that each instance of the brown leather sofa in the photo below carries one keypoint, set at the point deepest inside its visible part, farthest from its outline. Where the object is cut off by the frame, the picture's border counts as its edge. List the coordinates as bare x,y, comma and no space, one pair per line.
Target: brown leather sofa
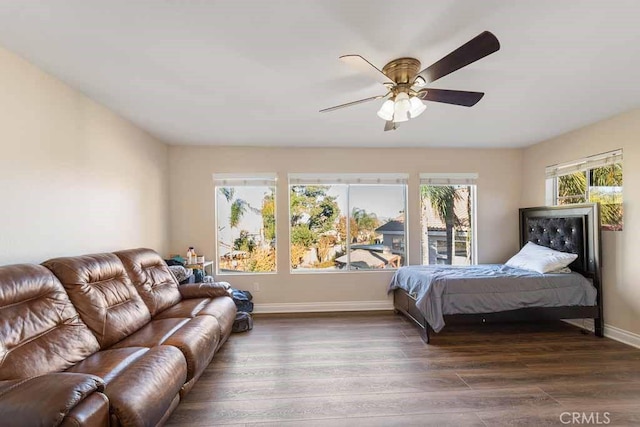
104,340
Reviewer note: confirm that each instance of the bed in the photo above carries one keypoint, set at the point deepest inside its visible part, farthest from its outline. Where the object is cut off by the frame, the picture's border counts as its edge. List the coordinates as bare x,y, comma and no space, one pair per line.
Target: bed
432,296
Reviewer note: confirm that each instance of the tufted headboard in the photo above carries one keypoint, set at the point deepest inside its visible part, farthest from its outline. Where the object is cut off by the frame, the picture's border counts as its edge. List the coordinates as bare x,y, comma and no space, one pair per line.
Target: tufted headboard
561,234
569,228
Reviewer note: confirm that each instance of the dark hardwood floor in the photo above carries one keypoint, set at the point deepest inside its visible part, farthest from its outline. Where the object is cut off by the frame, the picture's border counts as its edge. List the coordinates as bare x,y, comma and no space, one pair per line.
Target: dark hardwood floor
372,369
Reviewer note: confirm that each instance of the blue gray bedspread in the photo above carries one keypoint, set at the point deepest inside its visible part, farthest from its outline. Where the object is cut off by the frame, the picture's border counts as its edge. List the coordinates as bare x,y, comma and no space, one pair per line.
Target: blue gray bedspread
488,288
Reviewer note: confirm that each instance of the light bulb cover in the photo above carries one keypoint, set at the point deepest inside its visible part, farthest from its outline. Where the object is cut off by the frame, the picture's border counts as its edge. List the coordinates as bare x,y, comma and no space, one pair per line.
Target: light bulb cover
386,111
401,117
417,107
401,108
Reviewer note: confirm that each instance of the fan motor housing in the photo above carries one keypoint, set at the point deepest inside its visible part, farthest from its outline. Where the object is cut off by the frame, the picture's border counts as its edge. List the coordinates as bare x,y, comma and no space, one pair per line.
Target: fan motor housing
402,70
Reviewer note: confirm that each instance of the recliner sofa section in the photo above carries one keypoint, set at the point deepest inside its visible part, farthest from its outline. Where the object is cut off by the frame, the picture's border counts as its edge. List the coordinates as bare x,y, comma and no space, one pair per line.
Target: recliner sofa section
104,339
166,299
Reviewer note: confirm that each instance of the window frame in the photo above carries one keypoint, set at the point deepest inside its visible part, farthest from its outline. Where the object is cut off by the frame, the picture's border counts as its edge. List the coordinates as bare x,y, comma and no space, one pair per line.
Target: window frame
348,179
254,180
444,179
583,165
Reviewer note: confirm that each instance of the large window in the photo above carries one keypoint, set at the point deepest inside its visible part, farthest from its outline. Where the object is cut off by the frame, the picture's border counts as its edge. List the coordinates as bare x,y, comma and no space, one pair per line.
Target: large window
592,179
347,222
245,223
447,206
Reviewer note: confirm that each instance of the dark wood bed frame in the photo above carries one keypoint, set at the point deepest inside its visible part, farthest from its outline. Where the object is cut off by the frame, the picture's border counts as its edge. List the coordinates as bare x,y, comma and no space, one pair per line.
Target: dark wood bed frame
570,228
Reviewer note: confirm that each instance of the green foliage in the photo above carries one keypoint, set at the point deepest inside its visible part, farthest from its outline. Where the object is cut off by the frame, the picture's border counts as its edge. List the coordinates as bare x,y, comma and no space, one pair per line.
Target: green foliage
607,176
311,205
269,217
238,209
245,242
227,192
575,185
301,235
443,200
365,220
313,213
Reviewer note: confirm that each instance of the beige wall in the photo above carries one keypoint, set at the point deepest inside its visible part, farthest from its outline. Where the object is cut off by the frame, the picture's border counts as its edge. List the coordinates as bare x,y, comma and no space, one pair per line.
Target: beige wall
192,208
74,177
620,266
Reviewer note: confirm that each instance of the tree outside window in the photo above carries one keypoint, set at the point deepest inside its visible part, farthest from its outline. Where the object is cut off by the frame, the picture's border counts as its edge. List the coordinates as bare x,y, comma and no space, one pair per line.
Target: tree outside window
346,226
602,184
246,228
447,221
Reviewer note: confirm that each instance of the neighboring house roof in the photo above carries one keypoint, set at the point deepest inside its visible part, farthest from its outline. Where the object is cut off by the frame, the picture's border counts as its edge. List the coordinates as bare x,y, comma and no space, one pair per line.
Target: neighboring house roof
236,254
367,259
392,226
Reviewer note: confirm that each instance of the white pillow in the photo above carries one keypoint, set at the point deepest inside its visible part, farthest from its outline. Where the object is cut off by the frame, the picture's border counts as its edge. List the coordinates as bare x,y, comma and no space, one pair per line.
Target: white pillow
540,258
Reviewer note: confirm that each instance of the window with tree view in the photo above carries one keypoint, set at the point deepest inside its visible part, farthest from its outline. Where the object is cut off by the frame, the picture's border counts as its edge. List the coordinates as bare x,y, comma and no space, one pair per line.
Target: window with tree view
245,224
346,223
447,218
594,179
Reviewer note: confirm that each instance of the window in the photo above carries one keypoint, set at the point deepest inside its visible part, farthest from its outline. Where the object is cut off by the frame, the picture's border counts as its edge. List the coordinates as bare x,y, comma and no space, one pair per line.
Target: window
245,223
447,206
347,222
592,179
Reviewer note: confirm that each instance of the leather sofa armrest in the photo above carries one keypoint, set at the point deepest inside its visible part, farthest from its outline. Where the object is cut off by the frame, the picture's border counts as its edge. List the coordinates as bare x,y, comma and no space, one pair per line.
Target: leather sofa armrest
44,400
206,290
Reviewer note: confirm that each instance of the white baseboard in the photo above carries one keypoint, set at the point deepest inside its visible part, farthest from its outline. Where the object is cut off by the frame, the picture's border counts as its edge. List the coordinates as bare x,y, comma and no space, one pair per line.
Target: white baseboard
315,307
612,332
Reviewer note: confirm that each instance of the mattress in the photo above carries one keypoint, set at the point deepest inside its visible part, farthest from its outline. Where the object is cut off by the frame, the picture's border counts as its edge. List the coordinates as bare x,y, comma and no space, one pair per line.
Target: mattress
490,288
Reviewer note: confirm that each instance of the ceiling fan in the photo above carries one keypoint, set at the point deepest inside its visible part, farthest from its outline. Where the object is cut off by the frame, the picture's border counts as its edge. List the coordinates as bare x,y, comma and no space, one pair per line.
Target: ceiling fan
406,86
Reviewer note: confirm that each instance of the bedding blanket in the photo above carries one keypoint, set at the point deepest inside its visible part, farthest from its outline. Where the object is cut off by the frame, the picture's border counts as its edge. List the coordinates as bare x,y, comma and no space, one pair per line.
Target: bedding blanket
490,288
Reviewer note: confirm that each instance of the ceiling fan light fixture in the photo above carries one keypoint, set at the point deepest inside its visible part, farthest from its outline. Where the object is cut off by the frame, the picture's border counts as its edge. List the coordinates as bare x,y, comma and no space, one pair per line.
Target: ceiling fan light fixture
401,117
386,111
401,108
406,86
417,107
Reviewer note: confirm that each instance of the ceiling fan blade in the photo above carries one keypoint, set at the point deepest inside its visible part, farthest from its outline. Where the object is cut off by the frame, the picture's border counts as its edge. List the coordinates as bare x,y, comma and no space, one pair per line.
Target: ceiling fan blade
390,126
357,62
456,97
349,104
477,48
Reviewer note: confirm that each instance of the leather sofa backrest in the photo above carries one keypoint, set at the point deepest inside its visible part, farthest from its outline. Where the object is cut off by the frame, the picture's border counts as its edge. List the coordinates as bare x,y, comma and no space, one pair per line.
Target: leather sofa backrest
40,330
151,277
101,291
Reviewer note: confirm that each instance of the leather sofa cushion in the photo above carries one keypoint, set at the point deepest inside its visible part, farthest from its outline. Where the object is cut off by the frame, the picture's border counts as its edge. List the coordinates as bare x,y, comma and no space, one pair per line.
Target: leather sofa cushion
184,309
44,400
91,412
196,338
141,384
101,291
152,278
40,330
108,364
206,290
222,308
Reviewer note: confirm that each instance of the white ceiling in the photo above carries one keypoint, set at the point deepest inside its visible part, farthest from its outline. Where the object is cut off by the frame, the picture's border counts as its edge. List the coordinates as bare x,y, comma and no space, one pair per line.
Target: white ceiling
216,72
